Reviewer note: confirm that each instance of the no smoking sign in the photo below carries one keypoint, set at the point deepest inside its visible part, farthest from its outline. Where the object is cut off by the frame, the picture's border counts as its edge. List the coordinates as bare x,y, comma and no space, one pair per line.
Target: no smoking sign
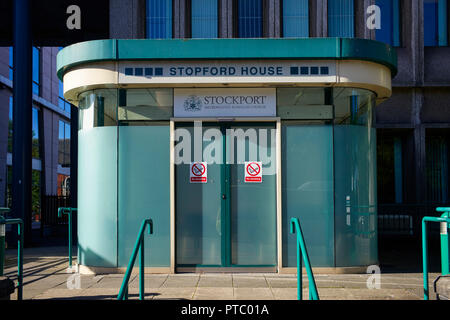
198,172
253,172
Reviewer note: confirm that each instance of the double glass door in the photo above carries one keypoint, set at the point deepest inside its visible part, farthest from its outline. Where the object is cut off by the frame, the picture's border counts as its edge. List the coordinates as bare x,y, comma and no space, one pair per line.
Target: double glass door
225,194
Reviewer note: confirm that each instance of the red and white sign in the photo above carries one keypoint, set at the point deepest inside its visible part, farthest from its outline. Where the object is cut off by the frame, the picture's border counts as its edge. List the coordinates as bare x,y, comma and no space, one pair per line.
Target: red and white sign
198,172
253,172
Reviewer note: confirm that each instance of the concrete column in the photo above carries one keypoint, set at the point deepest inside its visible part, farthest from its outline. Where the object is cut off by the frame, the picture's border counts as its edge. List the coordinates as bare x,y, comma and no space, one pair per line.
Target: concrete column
419,146
322,16
131,24
179,19
277,18
226,18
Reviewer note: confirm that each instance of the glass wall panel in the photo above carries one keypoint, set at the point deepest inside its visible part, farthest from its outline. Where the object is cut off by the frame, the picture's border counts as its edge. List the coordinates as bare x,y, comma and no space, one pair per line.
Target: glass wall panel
303,103
98,108
145,104
252,205
341,18
307,191
250,18
204,18
355,178
199,226
296,18
159,19
144,191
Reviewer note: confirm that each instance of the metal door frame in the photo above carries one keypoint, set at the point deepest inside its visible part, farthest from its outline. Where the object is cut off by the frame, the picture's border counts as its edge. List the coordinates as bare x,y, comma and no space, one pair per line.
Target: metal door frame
223,123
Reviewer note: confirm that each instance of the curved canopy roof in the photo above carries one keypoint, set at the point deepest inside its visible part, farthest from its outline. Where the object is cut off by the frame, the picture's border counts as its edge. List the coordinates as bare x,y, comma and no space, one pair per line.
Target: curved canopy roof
226,49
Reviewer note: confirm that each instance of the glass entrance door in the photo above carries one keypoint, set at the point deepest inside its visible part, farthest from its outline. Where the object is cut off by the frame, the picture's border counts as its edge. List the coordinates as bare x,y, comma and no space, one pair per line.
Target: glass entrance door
228,219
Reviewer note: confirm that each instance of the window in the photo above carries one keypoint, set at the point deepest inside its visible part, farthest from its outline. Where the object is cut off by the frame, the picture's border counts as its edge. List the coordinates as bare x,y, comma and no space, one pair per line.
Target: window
250,18
11,63
10,125
35,134
204,18
295,18
390,22
36,195
36,70
390,169
159,19
435,23
63,188
437,167
64,144
63,103
341,18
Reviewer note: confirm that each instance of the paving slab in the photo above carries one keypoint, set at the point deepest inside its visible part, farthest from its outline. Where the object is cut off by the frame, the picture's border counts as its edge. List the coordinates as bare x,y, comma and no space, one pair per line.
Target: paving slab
203,293
253,294
150,281
181,280
215,281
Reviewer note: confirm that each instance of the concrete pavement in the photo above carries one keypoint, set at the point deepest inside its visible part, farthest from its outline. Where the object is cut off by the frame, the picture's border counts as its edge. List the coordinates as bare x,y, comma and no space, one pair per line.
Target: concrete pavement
46,277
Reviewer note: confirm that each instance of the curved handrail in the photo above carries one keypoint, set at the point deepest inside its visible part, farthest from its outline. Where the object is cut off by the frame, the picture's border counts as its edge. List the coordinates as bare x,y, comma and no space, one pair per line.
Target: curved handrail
139,245
302,252
444,218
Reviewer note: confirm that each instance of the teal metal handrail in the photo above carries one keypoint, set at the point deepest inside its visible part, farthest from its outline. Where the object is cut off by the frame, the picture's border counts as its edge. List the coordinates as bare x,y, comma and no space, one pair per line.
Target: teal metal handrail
302,252
68,211
444,219
139,245
19,223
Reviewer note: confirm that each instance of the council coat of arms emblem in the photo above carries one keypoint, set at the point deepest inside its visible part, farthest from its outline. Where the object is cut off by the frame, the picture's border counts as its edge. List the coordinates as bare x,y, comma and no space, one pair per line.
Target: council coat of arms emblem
192,103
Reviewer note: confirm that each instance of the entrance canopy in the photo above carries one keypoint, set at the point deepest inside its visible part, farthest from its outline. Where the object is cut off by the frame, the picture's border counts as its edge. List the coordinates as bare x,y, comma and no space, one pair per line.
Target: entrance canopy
316,62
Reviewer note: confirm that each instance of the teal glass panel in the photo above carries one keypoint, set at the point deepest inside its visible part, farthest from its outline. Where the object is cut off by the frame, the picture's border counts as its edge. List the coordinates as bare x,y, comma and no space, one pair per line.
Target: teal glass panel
199,227
252,205
97,197
97,108
355,179
296,18
307,191
145,104
144,191
341,18
204,18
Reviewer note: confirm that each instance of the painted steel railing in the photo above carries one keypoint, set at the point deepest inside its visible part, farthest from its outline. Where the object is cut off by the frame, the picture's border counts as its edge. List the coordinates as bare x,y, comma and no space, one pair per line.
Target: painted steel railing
68,211
139,245
19,222
444,220
303,253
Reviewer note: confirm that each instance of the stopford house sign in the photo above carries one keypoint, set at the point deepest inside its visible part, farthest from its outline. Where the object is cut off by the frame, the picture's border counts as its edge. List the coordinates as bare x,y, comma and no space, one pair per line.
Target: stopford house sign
229,102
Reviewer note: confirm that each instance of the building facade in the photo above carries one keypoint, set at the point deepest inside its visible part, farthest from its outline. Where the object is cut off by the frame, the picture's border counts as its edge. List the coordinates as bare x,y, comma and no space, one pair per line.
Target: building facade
412,126
414,120
51,129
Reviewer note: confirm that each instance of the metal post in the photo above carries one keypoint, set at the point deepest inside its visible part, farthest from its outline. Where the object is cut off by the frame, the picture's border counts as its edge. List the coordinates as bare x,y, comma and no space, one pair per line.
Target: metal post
425,260
22,120
20,262
299,272
444,249
70,238
141,270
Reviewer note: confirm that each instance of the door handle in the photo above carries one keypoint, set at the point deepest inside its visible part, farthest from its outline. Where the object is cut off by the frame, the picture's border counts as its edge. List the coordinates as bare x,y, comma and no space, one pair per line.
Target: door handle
224,196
